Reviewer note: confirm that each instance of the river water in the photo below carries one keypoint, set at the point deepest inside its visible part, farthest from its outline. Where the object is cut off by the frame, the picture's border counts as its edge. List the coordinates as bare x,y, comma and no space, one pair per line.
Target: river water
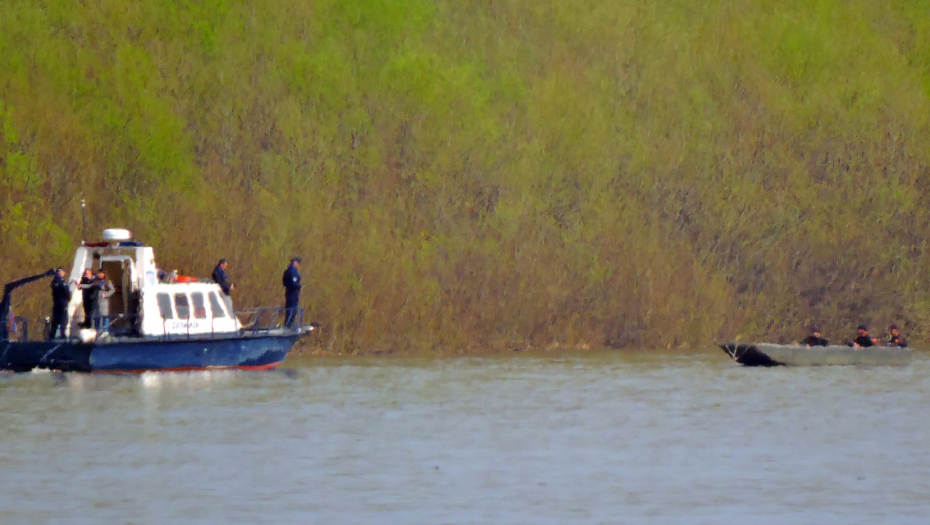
620,437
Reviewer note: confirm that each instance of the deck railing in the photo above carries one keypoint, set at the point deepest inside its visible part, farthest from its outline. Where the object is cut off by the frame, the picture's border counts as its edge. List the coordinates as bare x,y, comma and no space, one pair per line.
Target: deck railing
19,328
270,318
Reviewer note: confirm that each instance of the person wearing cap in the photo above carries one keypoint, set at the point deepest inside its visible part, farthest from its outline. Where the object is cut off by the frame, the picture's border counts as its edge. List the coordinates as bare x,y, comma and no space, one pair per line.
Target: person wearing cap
61,296
815,339
291,282
863,339
220,277
895,338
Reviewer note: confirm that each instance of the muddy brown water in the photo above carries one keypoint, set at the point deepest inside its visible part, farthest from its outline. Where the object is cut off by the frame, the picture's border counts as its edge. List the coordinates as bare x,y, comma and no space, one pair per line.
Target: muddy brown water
605,437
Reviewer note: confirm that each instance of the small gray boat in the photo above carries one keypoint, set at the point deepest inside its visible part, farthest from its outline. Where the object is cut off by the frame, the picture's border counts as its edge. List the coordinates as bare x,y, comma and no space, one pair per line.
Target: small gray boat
764,354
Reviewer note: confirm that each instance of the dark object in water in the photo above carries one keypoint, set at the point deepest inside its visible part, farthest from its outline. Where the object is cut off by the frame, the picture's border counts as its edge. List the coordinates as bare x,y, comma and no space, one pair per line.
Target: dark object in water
748,355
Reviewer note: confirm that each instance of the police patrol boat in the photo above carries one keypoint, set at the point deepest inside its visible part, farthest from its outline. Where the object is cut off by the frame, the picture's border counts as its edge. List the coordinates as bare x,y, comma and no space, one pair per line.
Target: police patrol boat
156,322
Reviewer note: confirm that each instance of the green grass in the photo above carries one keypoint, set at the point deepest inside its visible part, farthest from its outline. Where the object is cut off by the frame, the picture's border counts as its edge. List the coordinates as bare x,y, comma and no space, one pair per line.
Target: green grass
463,174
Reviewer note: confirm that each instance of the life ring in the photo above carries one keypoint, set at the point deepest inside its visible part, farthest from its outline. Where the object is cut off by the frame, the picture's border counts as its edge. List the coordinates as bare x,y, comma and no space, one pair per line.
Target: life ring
185,279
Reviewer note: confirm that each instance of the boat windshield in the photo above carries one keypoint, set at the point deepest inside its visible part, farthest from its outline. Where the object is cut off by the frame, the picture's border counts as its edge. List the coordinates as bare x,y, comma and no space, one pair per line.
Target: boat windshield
164,306
182,306
216,307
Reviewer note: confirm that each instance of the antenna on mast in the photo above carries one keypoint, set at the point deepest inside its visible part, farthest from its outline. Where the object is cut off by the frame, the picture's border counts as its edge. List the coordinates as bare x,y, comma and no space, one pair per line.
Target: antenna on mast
83,222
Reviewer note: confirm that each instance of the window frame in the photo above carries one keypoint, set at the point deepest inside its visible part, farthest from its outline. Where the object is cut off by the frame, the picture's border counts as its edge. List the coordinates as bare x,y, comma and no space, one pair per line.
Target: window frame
198,309
164,299
216,306
186,306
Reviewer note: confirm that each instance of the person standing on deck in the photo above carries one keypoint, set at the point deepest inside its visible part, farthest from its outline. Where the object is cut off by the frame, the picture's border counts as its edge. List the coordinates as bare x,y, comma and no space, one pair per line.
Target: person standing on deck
61,296
895,338
87,284
291,282
219,277
104,290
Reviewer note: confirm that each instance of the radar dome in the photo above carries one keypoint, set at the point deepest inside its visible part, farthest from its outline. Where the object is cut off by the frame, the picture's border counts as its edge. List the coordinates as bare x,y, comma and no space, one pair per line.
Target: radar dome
116,235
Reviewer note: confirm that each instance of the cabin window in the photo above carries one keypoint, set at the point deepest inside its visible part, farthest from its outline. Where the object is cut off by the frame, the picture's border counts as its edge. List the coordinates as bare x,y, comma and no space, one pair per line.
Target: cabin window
200,311
216,306
164,305
182,306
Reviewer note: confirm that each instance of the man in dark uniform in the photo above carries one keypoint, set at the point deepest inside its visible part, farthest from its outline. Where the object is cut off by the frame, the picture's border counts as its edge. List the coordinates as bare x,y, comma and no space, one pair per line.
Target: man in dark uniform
895,338
88,285
220,277
815,338
863,339
291,282
61,296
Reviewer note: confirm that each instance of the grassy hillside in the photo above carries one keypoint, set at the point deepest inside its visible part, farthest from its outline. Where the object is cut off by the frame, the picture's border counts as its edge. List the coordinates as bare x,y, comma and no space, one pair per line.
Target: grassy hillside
498,173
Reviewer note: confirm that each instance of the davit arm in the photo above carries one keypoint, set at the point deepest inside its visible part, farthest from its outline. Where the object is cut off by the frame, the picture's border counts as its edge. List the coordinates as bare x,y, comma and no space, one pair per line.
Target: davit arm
5,303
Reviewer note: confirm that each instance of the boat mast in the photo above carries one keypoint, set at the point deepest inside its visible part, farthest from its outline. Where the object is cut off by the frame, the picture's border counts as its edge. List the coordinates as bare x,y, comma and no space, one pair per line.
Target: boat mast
83,222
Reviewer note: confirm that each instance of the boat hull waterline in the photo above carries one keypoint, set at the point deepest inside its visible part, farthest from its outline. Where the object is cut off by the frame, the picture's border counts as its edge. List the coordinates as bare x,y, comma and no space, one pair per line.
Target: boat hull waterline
794,355
250,352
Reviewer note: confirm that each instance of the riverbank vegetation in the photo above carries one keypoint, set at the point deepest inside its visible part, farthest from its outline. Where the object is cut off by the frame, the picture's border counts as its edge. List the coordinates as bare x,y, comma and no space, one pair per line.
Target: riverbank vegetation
501,174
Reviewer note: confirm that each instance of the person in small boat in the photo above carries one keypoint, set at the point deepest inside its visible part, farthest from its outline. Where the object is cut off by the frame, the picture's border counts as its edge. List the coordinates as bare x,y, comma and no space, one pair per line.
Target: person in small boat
815,339
291,282
104,290
219,277
61,296
895,338
863,339
88,296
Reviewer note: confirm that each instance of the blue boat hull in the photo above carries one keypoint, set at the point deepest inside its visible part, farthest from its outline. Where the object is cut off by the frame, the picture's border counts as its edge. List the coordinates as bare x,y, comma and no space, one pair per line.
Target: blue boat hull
138,355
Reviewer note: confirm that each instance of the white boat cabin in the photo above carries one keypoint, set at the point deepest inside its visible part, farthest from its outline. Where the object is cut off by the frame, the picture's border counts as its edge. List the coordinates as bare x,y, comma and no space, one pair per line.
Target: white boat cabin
146,302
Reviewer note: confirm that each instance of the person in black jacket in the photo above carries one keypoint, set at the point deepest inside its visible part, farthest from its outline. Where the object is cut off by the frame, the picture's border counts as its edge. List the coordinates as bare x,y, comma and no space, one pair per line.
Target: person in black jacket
863,339
291,282
815,339
88,285
895,338
61,296
220,277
